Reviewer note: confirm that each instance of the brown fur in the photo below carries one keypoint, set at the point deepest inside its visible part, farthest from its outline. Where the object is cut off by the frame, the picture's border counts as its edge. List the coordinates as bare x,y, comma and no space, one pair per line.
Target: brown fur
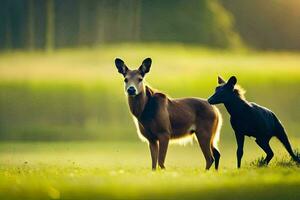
161,118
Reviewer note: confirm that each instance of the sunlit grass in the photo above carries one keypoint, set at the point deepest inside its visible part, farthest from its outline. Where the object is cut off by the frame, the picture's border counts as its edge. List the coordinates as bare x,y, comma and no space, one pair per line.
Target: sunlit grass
168,60
122,170
78,94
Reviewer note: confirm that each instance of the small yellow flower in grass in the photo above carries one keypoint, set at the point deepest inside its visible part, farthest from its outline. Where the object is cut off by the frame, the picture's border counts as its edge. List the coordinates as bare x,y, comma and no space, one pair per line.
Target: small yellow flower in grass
53,193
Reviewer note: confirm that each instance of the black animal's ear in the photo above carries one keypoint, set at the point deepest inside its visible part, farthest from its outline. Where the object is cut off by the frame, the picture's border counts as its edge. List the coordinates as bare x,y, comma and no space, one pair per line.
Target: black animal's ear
221,80
122,68
145,67
232,81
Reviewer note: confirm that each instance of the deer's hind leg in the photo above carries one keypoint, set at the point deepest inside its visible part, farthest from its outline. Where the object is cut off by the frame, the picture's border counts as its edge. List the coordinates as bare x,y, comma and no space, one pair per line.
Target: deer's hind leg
204,137
217,156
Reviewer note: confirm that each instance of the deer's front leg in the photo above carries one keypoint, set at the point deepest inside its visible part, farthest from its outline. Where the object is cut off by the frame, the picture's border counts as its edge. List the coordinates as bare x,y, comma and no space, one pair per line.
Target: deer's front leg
240,148
154,153
163,140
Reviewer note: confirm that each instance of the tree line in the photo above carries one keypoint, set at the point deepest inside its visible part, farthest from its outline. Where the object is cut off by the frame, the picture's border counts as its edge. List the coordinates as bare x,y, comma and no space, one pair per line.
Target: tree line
51,24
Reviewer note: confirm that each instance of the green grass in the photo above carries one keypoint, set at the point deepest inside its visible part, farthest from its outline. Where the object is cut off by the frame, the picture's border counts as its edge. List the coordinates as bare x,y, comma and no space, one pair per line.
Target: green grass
94,170
76,94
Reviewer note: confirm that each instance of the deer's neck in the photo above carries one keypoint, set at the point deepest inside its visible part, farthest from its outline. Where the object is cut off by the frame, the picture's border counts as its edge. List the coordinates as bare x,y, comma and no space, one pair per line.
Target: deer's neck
137,103
236,106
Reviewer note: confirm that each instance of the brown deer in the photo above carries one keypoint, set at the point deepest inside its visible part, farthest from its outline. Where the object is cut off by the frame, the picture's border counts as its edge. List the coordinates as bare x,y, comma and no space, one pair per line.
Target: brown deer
160,118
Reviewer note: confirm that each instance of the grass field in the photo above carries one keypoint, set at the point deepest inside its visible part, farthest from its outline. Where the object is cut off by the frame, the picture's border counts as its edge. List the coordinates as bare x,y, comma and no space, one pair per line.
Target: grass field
78,94
95,170
75,99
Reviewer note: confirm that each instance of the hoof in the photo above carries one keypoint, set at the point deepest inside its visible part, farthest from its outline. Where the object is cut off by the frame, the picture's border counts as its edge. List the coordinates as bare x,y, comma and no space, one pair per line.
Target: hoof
163,167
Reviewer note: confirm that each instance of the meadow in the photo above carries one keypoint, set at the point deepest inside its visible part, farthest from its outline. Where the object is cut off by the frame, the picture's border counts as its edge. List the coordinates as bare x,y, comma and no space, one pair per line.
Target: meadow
120,170
78,94
66,132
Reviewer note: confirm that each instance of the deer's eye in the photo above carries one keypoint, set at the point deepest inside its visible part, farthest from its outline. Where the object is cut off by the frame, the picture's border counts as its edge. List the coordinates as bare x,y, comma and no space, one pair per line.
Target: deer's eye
126,80
140,79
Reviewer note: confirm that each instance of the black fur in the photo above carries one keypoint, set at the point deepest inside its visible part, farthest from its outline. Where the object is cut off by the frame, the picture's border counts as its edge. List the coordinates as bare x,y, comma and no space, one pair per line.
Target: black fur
145,67
250,119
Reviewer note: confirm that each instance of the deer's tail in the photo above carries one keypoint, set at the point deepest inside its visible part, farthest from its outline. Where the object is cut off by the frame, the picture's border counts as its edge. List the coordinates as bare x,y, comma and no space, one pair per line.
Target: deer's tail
217,132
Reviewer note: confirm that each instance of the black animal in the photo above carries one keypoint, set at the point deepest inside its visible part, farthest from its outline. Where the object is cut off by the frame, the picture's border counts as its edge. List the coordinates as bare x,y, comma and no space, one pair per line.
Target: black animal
250,119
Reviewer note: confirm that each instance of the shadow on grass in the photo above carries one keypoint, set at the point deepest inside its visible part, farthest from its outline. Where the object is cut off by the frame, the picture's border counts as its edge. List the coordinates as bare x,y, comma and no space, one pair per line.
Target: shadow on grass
274,191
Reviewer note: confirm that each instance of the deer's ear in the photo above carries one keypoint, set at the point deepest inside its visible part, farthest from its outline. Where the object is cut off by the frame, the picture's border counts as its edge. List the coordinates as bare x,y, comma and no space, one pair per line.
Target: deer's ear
221,80
232,81
145,67
122,68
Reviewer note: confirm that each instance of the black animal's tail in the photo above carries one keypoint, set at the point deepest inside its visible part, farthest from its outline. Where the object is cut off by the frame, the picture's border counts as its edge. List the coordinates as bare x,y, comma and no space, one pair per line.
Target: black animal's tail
282,136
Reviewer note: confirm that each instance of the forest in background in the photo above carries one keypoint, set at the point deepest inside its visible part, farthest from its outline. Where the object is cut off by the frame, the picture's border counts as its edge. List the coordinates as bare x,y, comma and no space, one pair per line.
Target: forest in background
65,127
52,24
75,92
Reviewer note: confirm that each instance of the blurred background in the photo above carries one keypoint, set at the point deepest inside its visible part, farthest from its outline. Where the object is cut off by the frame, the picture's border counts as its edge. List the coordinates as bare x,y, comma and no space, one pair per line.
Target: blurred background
58,81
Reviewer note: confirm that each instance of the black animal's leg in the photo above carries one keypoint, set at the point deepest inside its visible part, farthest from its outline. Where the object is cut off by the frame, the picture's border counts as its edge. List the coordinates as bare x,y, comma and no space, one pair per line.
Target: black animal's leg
282,136
264,144
154,153
240,148
163,140
217,156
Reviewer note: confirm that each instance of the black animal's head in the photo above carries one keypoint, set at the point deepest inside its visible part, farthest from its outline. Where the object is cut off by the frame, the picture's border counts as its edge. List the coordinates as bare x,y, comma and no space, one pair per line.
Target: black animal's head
224,91
133,79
